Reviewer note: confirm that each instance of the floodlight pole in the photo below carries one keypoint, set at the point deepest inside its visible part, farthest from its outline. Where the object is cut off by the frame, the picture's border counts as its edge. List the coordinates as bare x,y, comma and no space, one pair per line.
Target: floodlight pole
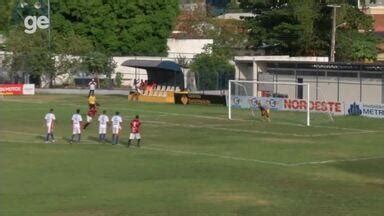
229,102
50,23
308,104
333,40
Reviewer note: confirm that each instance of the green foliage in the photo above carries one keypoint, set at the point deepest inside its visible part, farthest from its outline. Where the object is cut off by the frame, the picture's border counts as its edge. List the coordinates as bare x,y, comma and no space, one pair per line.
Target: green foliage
228,35
285,27
98,63
356,41
30,54
5,14
303,27
119,79
212,71
355,46
132,27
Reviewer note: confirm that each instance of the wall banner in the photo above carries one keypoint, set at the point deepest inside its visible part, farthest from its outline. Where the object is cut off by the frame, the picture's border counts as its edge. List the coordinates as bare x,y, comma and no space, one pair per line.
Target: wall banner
333,107
17,89
246,102
286,104
191,98
368,110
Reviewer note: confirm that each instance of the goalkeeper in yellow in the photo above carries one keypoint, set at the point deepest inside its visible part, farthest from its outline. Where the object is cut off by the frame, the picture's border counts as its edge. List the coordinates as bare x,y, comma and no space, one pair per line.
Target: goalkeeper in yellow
92,103
264,111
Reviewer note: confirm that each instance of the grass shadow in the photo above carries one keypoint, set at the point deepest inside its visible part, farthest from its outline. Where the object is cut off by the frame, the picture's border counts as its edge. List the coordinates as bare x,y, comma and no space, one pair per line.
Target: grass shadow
369,168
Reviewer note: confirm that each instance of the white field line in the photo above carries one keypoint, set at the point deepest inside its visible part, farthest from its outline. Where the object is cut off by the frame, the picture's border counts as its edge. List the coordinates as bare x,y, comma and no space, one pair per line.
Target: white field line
256,131
212,117
23,101
169,124
217,155
151,148
163,149
58,142
337,161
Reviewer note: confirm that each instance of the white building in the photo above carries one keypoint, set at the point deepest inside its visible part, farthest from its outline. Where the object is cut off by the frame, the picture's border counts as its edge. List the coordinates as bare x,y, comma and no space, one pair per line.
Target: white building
342,82
181,51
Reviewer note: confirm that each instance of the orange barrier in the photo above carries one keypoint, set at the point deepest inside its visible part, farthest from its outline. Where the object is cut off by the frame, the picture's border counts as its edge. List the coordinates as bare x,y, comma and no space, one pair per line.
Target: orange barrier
153,97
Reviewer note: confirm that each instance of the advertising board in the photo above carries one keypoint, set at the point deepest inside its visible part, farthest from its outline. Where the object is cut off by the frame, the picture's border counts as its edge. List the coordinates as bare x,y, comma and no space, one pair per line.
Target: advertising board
286,104
367,110
17,89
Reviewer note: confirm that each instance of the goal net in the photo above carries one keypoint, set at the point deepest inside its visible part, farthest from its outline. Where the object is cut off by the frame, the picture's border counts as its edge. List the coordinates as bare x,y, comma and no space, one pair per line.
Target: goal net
287,102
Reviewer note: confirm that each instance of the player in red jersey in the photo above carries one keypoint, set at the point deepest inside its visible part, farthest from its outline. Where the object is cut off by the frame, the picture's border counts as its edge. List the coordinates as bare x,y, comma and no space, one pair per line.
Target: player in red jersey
135,131
91,113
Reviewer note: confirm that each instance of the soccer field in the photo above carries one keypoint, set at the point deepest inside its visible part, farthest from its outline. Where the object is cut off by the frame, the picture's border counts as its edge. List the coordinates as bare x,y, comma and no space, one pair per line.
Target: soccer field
193,161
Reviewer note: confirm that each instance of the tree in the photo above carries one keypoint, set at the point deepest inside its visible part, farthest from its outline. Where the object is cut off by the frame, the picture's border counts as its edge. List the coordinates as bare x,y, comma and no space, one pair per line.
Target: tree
5,13
28,55
69,48
356,41
98,63
31,54
303,27
132,27
285,27
213,71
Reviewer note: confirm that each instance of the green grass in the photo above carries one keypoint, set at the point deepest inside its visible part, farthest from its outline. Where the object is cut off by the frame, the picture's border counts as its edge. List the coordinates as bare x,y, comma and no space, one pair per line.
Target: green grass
193,162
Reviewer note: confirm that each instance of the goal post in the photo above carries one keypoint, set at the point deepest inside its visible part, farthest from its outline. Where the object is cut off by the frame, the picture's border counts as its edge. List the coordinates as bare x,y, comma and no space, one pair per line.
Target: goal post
250,91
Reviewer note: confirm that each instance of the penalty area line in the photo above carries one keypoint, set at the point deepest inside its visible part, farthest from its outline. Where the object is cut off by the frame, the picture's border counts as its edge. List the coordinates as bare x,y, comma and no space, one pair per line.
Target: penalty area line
167,150
204,117
214,155
170,124
337,161
263,161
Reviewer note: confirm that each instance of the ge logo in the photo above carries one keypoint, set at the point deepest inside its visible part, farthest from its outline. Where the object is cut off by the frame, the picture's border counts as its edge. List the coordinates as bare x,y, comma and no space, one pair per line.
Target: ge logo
31,23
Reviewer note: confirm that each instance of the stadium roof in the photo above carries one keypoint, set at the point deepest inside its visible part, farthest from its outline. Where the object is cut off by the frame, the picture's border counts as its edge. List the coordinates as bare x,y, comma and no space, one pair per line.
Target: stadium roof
153,64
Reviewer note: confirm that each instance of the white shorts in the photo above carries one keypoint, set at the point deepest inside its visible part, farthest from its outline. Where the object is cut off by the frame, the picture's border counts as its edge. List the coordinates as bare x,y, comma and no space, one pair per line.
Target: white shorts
49,128
76,129
89,119
134,136
102,130
116,129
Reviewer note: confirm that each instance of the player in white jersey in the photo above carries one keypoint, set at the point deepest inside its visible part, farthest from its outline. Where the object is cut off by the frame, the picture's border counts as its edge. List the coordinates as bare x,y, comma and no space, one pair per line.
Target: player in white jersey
50,123
76,126
103,122
116,127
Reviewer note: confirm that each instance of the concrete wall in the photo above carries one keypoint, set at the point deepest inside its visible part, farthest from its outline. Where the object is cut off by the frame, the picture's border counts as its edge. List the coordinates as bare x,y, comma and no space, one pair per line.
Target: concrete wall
327,88
186,48
235,16
81,91
344,89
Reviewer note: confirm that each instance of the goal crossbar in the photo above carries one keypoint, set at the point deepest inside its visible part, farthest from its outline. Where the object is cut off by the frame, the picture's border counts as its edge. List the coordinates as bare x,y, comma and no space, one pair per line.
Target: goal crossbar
307,85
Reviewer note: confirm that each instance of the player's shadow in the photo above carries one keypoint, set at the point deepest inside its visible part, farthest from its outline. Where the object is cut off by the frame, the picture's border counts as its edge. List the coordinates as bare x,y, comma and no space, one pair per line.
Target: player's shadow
96,139
40,137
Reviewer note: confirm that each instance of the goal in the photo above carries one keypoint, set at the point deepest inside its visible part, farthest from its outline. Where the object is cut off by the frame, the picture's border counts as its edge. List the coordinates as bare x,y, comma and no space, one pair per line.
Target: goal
245,96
